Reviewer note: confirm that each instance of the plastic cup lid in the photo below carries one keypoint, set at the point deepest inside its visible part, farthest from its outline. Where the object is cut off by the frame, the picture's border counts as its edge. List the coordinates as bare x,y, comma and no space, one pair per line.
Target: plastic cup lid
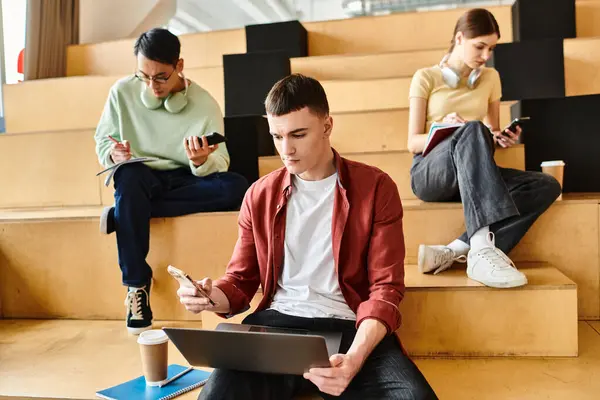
556,163
155,336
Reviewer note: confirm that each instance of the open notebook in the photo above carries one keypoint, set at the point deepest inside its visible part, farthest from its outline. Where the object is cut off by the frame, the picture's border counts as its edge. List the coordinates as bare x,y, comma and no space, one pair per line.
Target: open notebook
437,133
136,389
113,169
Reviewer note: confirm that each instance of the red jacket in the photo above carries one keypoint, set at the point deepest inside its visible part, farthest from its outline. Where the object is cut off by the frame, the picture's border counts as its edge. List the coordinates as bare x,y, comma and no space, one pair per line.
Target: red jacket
368,242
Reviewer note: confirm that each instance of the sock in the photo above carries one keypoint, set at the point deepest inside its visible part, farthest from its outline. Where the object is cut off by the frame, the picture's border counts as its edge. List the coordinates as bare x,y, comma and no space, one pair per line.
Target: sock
479,239
459,247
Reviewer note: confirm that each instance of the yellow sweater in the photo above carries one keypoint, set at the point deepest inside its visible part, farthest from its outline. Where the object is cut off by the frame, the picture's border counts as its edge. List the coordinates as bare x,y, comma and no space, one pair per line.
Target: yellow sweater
471,104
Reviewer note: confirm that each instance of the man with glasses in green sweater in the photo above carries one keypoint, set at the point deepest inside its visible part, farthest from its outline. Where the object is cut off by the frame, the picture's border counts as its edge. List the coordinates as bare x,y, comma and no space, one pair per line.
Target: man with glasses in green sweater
159,113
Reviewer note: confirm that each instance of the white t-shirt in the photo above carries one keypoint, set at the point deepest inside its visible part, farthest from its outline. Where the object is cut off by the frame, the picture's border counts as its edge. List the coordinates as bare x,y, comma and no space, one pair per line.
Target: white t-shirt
308,285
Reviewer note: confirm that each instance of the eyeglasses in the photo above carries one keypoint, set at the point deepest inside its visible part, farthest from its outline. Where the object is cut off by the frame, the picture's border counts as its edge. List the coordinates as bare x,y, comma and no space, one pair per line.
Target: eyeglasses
159,80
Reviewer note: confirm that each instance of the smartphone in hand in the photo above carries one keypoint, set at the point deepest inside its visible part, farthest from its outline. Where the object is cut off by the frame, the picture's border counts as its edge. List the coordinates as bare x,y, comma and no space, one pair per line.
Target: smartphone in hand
213,138
515,122
185,280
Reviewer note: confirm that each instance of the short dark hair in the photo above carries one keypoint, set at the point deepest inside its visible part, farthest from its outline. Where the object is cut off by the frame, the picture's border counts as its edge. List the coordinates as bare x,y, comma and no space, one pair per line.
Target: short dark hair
474,23
158,45
293,93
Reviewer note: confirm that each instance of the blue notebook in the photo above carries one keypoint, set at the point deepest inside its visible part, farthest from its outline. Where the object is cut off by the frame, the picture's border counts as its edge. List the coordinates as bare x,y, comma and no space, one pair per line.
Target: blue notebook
136,389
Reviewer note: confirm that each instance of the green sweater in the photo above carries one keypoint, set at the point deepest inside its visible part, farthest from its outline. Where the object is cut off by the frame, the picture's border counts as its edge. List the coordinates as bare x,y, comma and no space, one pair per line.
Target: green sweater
158,133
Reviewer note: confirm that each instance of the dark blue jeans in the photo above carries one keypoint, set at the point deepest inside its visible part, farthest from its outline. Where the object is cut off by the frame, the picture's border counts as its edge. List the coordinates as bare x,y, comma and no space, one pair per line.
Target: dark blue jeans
387,374
462,168
142,193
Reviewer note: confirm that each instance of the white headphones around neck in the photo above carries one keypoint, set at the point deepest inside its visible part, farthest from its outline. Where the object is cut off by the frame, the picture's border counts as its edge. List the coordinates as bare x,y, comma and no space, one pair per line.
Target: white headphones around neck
452,78
173,103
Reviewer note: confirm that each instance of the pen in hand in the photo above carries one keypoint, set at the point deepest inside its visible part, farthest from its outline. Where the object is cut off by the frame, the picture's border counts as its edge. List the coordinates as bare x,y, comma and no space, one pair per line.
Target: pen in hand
112,139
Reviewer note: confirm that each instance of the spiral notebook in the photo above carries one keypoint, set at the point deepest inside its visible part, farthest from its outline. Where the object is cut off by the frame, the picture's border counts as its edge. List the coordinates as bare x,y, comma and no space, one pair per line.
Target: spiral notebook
136,389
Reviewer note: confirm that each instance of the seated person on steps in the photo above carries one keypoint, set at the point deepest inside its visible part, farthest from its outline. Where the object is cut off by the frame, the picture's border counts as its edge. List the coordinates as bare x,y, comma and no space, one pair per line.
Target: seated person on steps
500,204
332,230
159,113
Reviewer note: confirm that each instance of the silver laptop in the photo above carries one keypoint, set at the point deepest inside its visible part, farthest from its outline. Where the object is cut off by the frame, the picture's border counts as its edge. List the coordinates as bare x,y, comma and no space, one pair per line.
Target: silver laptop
256,348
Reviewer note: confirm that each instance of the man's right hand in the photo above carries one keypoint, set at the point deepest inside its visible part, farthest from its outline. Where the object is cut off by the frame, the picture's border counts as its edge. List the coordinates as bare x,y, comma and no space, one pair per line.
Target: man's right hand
120,152
193,300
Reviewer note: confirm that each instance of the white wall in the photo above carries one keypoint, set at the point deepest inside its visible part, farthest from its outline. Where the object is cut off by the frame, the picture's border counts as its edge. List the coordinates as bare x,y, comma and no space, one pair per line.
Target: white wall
104,20
319,10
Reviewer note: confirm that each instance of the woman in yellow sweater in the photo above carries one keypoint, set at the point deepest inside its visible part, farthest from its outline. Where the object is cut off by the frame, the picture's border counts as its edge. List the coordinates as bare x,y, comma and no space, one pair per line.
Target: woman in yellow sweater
499,204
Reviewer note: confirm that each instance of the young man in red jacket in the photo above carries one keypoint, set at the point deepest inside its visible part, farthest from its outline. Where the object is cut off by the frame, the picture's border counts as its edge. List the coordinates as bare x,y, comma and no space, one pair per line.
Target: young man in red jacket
323,237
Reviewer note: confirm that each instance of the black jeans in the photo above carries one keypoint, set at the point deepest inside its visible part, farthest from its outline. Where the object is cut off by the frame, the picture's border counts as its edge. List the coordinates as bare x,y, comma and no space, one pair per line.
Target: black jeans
387,373
142,193
462,168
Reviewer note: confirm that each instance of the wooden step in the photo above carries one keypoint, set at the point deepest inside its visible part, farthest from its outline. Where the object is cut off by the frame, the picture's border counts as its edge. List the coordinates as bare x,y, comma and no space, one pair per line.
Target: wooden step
582,57
587,14
34,181
451,315
199,50
366,66
82,100
397,164
370,131
47,257
566,236
86,95
58,184
395,32
367,94
78,370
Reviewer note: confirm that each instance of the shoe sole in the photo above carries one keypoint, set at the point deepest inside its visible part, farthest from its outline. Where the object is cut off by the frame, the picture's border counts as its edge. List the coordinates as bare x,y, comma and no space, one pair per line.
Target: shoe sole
104,220
501,285
137,331
421,259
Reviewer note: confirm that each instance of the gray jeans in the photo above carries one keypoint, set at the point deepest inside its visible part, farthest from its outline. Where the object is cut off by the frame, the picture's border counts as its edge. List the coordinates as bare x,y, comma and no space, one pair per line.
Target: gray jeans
386,374
462,168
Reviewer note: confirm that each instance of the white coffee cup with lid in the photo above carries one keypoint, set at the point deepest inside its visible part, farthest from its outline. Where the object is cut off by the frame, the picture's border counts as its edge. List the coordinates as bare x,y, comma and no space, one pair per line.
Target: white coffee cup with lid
556,168
154,349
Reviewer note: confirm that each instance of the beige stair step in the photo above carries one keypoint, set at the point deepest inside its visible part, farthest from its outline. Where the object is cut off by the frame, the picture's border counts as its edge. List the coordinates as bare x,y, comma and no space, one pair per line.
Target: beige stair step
394,32
79,369
59,184
87,95
366,66
367,94
582,57
82,100
587,14
199,50
567,236
451,315
46,262
371,131
69,180
397,164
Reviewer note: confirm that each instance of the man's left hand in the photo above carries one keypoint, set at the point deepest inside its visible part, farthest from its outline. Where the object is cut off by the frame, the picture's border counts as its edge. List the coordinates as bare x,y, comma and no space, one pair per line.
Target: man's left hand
336,379
198,153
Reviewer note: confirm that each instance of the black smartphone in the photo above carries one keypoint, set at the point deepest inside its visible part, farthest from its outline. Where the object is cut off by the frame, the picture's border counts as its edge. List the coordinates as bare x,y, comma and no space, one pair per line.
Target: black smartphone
516,122
213,138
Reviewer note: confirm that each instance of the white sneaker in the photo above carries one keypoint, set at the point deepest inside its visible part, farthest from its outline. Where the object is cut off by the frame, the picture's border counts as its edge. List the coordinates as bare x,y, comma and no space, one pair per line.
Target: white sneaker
438,258
493,268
